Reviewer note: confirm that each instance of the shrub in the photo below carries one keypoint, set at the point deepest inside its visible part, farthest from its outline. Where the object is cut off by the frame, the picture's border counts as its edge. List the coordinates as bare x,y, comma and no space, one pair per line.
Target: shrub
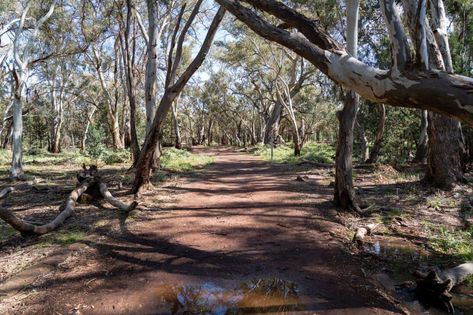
95,146
312,151
116,156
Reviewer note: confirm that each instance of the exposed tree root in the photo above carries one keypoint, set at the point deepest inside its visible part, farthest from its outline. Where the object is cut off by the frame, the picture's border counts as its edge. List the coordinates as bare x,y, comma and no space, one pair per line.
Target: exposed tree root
434,287
89,182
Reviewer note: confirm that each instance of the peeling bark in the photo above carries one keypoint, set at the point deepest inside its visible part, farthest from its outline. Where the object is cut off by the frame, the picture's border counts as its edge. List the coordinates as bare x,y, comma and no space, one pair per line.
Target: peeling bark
399,45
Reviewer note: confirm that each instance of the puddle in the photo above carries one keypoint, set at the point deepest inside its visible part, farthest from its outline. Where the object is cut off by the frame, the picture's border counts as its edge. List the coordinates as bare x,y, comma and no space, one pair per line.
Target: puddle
253,296
397,249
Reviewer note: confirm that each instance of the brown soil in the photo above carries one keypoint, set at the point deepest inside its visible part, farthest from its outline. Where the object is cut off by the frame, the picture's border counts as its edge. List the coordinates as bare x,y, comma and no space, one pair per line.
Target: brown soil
237,220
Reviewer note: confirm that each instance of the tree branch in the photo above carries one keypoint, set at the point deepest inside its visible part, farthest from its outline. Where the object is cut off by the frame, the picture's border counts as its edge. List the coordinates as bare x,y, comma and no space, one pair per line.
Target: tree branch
447,94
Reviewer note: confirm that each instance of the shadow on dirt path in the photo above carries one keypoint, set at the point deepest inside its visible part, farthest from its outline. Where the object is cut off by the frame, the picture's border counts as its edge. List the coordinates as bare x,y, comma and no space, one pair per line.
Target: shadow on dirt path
239,220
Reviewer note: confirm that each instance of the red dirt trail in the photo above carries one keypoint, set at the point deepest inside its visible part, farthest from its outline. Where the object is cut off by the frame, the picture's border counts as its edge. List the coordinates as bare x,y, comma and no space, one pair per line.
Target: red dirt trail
236,220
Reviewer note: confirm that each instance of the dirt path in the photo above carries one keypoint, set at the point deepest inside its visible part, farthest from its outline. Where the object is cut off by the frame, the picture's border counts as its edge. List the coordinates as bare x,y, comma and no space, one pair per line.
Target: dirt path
239,220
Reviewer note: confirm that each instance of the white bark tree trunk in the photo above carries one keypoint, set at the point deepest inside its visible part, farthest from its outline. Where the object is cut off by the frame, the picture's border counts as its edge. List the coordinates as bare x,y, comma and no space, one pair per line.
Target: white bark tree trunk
16,170
344,194
22,58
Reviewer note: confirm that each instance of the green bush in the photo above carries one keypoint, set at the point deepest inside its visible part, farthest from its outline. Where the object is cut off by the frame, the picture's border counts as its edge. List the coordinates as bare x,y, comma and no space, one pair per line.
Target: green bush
116,156
36,151
95,143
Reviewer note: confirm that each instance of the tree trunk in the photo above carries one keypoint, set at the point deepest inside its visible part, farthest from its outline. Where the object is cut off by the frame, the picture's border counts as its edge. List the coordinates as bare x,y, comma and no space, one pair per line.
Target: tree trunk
297,144
172,90
446,142
177,131
272,124
365,150
130,76
201,135
151,64
8,135
379,135
16,169
58,112
209,132
446,151
422,143
344,195
87,126
112,111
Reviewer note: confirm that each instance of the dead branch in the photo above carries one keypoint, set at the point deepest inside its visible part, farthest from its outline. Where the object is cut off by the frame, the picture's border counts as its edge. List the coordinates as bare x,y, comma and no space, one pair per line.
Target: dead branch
89,184
28,228
434,287
114,201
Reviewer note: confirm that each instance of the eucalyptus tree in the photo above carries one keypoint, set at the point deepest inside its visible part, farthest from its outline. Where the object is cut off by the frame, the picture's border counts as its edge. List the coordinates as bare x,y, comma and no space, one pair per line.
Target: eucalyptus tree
110,85
445,138
22,31
344,194
406,84
176,80
410,81
273,77
128,44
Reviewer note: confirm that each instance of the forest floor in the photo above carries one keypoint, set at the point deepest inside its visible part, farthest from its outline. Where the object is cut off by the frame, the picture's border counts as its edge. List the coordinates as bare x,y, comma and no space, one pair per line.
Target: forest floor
239,236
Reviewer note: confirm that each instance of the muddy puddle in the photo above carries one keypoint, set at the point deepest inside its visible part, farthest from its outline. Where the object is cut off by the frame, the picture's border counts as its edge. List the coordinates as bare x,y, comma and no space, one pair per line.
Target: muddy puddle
402,258
253,296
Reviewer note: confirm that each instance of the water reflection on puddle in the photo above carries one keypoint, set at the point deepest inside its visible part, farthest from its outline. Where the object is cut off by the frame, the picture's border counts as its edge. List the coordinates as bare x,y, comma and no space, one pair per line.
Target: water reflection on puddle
253,296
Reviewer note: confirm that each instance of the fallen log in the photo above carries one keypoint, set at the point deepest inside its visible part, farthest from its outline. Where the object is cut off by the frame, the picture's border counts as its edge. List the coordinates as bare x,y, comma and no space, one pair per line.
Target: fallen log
90,184
28,228
362,232
434,287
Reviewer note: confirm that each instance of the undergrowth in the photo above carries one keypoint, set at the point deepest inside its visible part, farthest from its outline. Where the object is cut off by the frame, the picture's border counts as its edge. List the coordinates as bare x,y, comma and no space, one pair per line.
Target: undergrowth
455,243
311,151
182,160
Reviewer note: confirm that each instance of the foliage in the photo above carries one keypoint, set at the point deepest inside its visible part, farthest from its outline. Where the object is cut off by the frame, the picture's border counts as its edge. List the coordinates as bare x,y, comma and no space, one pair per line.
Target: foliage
95,146
116,156
400,136
183,161
312,151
